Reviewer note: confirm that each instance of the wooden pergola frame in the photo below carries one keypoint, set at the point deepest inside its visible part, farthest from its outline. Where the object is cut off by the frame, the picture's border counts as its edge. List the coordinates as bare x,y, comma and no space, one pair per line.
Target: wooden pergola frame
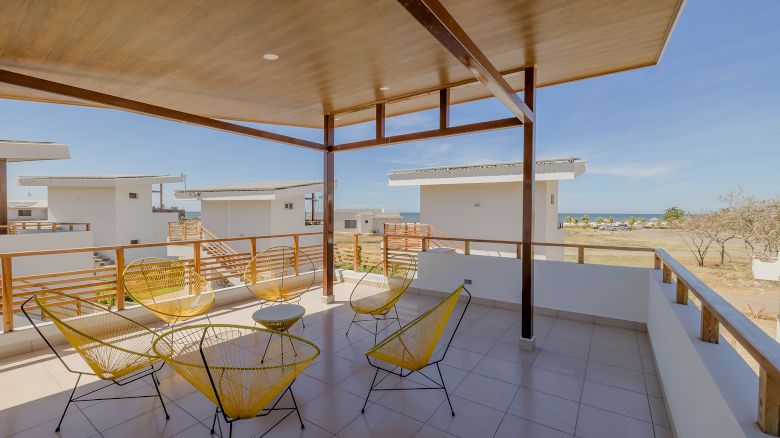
432,15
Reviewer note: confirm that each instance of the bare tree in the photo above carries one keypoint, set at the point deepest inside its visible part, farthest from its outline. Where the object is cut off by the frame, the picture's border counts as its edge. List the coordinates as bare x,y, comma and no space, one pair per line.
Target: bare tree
695,231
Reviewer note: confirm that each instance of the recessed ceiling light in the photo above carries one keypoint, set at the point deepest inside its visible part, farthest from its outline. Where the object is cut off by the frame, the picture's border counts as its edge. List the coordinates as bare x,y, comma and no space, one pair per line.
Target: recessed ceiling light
270,56
384,88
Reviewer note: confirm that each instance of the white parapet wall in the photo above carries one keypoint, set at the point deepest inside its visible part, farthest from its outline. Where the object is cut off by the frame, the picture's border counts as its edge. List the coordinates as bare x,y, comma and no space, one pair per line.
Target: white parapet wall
600,290
46,264
710,390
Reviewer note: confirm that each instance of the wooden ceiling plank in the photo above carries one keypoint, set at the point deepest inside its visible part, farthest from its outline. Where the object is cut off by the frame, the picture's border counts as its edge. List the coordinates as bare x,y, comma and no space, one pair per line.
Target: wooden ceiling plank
31,82
491,125
437,20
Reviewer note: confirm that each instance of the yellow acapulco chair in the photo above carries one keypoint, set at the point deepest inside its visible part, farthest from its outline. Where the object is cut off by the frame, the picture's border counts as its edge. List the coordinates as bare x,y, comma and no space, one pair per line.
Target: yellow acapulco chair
378,291
224,363
279,274
116,348
168,288
411,347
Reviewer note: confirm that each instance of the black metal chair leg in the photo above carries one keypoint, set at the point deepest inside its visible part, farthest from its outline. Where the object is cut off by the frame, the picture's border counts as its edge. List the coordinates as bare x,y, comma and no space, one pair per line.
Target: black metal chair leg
445,388
350,325
70,400
296,406
157,388
369,391
214,422
262,359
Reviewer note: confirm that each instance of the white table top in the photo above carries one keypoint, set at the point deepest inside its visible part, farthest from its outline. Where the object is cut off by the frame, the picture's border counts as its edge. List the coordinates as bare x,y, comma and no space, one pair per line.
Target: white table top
279,312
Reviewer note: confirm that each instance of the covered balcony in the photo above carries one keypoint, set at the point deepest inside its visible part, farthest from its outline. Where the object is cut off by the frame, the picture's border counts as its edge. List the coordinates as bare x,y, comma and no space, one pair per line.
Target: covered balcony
543,348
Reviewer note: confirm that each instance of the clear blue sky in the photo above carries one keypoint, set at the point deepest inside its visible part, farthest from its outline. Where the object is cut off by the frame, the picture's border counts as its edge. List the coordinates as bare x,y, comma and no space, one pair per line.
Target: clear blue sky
704,121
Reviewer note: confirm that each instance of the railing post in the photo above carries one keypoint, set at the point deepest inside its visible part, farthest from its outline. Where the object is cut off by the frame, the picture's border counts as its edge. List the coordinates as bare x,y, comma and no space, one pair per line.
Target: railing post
355,251
467,247
667,274
682,292
580,254
196,256
709,326
8,293
70,227
385,242
253,274
89,226
657,264
295,254
519,250
120,286
53,227
768,403
424,244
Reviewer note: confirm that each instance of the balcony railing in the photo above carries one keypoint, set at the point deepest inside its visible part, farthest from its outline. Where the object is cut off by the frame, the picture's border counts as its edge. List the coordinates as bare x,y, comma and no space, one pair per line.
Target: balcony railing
18,227
354,251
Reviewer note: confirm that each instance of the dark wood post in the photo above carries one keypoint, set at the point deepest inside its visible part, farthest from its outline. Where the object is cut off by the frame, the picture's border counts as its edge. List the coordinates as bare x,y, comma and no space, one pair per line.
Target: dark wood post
380,121
529,164
444,108
327,210
3,197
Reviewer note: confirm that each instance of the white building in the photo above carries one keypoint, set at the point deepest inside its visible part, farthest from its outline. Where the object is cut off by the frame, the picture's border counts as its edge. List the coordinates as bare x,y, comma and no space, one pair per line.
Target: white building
32,210
485,201
118,207
370,220
255,209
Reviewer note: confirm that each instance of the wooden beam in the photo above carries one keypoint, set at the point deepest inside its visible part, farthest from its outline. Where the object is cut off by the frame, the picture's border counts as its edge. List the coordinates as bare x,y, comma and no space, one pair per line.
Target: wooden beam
438,21
327,211
529,166
34,83
380,121
434,133
444,108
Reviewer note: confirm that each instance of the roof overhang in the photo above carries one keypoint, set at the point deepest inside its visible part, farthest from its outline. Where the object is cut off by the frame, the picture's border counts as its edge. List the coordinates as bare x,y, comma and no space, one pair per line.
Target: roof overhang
15,151
250,192
546,170
340,57
98,180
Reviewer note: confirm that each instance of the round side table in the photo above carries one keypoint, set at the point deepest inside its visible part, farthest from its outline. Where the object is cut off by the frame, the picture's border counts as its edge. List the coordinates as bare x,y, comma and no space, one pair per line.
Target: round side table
279,317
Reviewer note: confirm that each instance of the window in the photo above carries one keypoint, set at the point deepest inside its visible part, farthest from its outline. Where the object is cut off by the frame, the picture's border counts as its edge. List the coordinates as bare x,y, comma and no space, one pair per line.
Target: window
133,195
350,223
366,221
135,242
288,205
25,213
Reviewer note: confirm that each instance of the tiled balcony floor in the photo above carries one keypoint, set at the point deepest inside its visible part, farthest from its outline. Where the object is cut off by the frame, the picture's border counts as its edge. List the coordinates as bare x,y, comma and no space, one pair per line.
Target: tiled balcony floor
586,380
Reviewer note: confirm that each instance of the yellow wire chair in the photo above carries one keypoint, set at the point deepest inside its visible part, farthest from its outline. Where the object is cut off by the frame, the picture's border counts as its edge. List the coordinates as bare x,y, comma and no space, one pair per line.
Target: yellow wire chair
116,348
279,274
168,288
411,347
378,291
223,362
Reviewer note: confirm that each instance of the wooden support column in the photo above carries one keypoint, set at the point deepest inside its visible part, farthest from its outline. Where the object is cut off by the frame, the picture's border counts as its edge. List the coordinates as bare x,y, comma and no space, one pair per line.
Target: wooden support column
709,326
768,403
253,254
682,292
3,197
327,209
355,252
527,260
380,121
444,108
196,256
580,254
296,259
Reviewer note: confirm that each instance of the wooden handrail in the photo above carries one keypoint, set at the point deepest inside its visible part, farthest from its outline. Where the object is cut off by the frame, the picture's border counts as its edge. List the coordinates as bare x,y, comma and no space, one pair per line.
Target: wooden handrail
716,310
15,226
517,242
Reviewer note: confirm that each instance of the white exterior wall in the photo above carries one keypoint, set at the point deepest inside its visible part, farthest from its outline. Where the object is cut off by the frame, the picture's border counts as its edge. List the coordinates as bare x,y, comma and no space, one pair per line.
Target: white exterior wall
115,218
258,218
38,214
453,209
46,240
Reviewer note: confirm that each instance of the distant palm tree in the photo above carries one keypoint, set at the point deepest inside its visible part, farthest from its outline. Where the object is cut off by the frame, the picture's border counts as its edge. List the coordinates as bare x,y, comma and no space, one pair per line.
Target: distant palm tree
599,220
585,219
610,219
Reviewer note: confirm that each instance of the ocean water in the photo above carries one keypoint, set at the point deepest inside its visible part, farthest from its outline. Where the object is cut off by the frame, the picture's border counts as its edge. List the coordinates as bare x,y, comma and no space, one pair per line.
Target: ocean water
411,216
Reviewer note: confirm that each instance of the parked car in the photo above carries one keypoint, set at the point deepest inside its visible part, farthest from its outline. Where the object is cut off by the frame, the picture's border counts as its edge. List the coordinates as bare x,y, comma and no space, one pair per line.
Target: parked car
623,227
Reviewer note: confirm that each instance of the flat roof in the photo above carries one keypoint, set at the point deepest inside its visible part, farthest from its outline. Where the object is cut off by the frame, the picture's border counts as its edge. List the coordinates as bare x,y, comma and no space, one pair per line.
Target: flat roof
206,58
97,180
546,170
20,150
256,191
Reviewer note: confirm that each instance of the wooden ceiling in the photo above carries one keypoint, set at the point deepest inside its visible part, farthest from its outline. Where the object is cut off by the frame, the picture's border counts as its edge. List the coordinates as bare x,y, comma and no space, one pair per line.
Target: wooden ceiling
206,57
